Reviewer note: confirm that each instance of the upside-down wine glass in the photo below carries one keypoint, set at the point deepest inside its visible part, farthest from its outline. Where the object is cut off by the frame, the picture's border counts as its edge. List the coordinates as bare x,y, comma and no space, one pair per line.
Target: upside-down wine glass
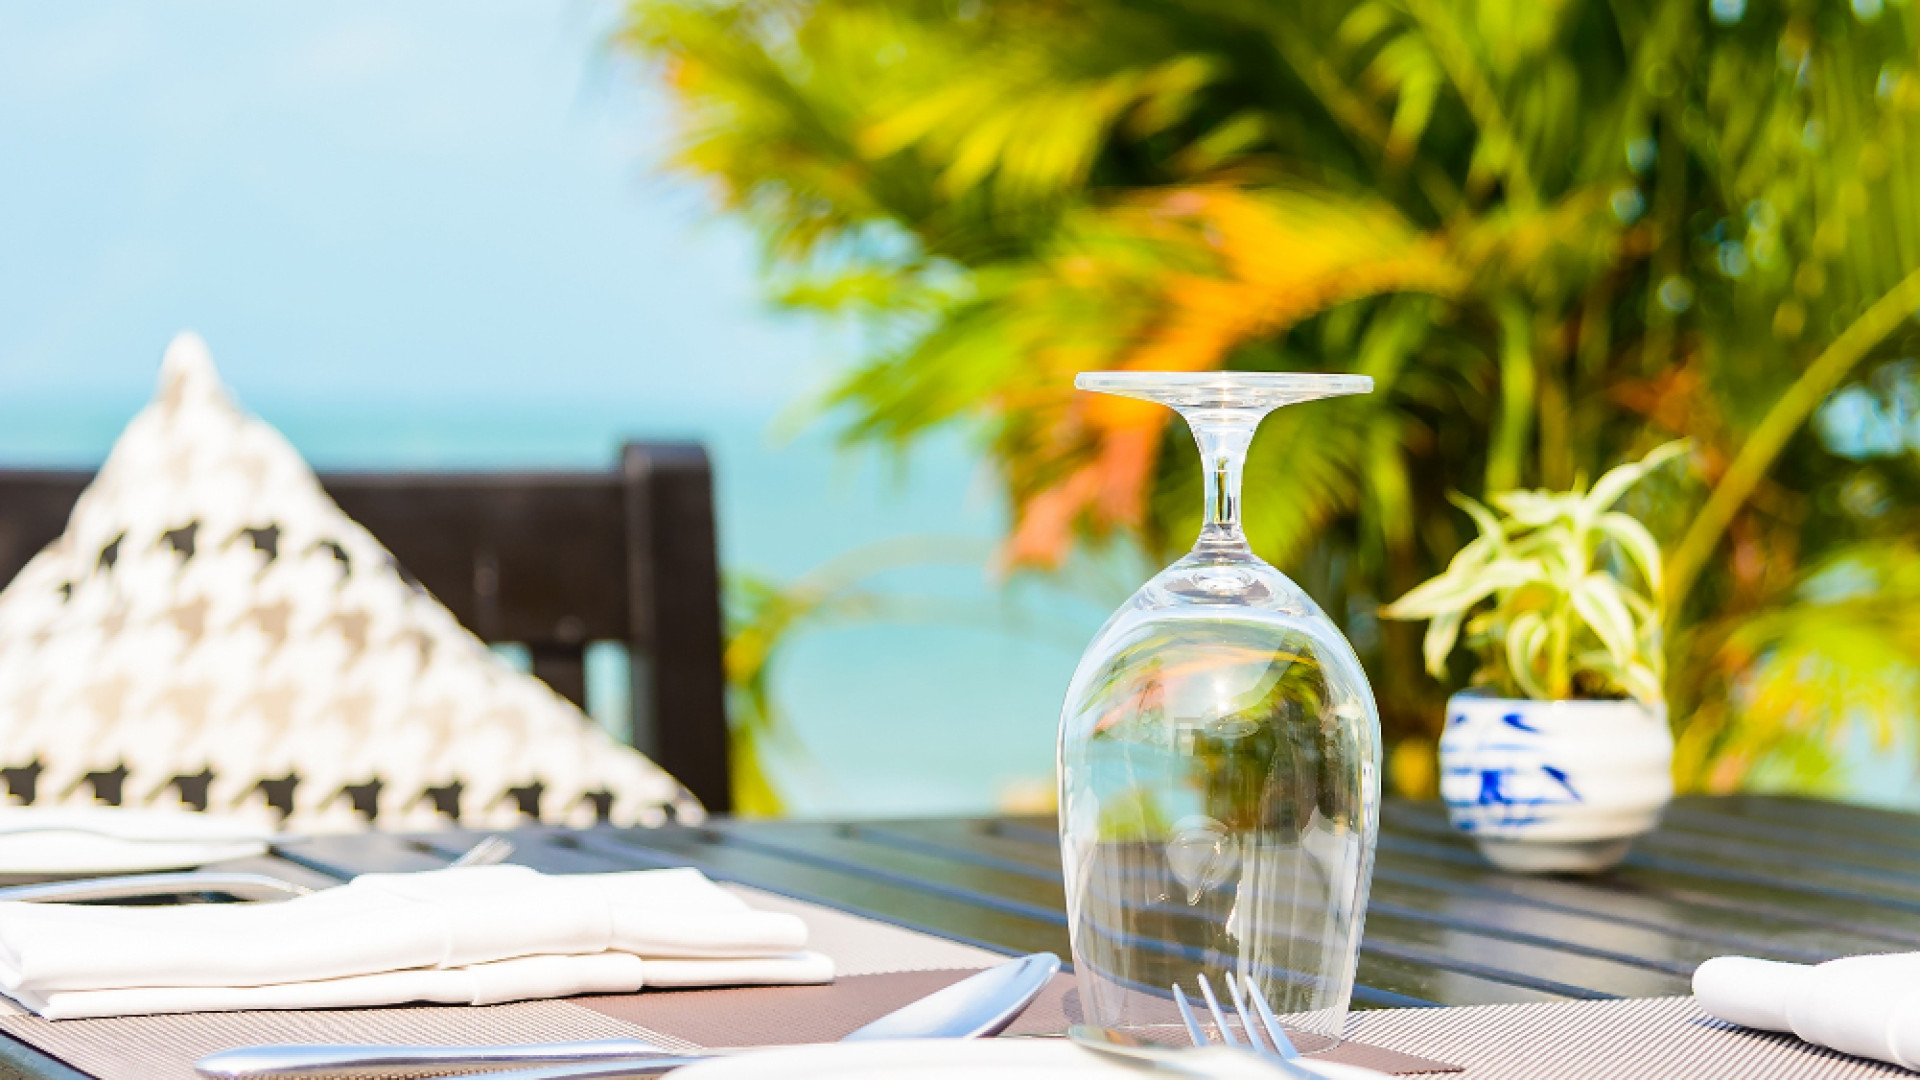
1219,761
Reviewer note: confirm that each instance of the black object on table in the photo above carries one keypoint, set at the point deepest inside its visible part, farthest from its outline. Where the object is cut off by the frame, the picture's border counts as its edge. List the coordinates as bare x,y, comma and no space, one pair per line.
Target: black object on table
1785,878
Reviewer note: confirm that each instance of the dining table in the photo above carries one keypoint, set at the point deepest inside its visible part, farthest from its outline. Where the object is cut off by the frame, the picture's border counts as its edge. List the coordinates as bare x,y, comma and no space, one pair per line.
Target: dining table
1787,878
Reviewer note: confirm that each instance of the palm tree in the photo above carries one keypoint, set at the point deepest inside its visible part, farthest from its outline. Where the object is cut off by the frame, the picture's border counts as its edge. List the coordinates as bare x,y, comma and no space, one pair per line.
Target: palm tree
1556,234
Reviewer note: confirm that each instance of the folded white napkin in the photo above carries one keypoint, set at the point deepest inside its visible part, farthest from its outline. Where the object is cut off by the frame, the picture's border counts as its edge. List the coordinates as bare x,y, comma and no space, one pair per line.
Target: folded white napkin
111,839
969,1059
1865,1005
442,935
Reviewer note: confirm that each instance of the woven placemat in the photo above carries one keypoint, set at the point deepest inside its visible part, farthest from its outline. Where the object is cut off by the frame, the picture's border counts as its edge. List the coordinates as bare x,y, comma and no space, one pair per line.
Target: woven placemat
165,1047
774,1016
1640,1039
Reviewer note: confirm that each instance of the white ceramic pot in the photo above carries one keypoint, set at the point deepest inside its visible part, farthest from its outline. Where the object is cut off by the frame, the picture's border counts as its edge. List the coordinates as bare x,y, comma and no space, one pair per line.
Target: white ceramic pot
1554,785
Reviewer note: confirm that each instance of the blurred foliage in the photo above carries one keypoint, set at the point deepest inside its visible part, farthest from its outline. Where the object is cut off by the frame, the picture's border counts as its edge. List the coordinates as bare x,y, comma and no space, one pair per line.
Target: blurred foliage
1555,233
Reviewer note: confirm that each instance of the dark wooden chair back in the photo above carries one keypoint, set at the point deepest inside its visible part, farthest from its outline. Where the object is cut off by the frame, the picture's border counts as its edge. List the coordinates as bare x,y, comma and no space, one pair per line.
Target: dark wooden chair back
551,560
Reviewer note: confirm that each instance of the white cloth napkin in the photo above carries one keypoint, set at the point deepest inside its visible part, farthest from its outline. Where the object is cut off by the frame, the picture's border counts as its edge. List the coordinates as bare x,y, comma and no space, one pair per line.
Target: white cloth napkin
443,935
970,1059
1865,1005
110,839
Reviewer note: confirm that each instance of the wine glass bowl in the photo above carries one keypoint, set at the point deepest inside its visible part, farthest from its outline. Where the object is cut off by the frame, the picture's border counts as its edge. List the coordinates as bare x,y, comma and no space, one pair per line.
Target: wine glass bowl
1219,760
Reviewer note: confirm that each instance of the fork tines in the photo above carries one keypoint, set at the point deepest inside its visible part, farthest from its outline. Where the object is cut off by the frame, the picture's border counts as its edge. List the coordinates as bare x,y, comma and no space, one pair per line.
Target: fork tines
1259,1018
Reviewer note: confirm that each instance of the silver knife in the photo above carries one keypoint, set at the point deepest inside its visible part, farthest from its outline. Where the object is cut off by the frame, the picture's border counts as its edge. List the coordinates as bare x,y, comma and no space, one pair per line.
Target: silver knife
241,886
129,886
980,1004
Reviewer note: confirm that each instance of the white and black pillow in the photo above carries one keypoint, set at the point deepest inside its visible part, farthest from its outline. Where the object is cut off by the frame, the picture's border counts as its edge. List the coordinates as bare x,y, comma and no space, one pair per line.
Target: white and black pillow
212,630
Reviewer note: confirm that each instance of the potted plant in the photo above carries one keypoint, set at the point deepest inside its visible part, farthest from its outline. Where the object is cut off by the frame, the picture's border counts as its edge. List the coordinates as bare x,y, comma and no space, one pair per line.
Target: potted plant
1560,754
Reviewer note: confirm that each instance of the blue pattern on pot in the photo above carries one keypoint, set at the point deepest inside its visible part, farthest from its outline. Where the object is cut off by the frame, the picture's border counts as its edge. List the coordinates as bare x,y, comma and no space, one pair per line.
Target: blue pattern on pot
1555,772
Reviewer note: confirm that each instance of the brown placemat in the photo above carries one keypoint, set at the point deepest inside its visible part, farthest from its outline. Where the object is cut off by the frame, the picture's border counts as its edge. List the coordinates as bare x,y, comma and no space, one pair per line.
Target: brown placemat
165,1047
773,1016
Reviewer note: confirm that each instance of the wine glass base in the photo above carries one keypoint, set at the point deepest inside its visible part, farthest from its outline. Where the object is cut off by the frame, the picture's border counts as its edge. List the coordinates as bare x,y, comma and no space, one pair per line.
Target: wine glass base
1252,391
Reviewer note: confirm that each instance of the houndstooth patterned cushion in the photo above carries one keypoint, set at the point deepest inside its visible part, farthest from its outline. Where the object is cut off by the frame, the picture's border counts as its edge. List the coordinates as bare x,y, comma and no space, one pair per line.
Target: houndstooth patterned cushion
212,630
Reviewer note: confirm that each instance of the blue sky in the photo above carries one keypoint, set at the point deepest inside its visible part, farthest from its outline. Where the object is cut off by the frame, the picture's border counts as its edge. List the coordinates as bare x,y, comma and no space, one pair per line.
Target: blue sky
432,200
435,234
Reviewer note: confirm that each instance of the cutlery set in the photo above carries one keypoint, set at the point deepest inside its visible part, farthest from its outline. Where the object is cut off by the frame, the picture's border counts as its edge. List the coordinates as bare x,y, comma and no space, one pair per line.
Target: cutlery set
980,1005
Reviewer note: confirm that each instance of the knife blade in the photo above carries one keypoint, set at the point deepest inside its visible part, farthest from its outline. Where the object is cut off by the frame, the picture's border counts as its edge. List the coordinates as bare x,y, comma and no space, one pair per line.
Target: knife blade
980,1004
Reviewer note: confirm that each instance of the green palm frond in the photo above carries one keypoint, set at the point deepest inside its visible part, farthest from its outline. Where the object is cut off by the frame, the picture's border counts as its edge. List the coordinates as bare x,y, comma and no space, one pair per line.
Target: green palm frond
1556,233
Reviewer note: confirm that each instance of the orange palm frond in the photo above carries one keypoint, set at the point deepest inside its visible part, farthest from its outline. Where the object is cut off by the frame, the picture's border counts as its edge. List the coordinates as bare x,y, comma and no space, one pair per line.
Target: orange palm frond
1272,259
1282,257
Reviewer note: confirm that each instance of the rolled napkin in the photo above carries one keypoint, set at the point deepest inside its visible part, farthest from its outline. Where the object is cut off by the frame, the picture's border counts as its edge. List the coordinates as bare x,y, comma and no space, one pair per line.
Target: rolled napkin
1865,1005
111,839
444,935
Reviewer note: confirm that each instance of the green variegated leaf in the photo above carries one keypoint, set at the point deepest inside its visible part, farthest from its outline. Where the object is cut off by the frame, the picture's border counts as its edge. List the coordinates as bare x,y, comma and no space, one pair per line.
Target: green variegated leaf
1450,592
1565,551
1608,489
1635,679
1645,611
1492,532
1472,555
1636,541
1597,598
1534,508
1526,637
1642,683
1442,632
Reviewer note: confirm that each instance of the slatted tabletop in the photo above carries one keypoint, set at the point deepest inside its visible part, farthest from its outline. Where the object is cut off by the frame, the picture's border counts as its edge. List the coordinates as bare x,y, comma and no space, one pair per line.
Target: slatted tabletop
1791,879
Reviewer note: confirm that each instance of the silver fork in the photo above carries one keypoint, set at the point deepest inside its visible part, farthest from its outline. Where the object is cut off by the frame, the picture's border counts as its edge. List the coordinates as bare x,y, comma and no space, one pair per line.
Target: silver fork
490,850
1281,1048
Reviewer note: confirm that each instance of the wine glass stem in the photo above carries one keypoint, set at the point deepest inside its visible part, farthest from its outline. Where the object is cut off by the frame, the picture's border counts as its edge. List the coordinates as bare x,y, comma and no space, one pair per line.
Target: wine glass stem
1223,438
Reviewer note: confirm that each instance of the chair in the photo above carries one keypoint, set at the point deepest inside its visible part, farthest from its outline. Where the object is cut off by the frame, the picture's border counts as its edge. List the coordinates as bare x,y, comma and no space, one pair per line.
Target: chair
549,560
